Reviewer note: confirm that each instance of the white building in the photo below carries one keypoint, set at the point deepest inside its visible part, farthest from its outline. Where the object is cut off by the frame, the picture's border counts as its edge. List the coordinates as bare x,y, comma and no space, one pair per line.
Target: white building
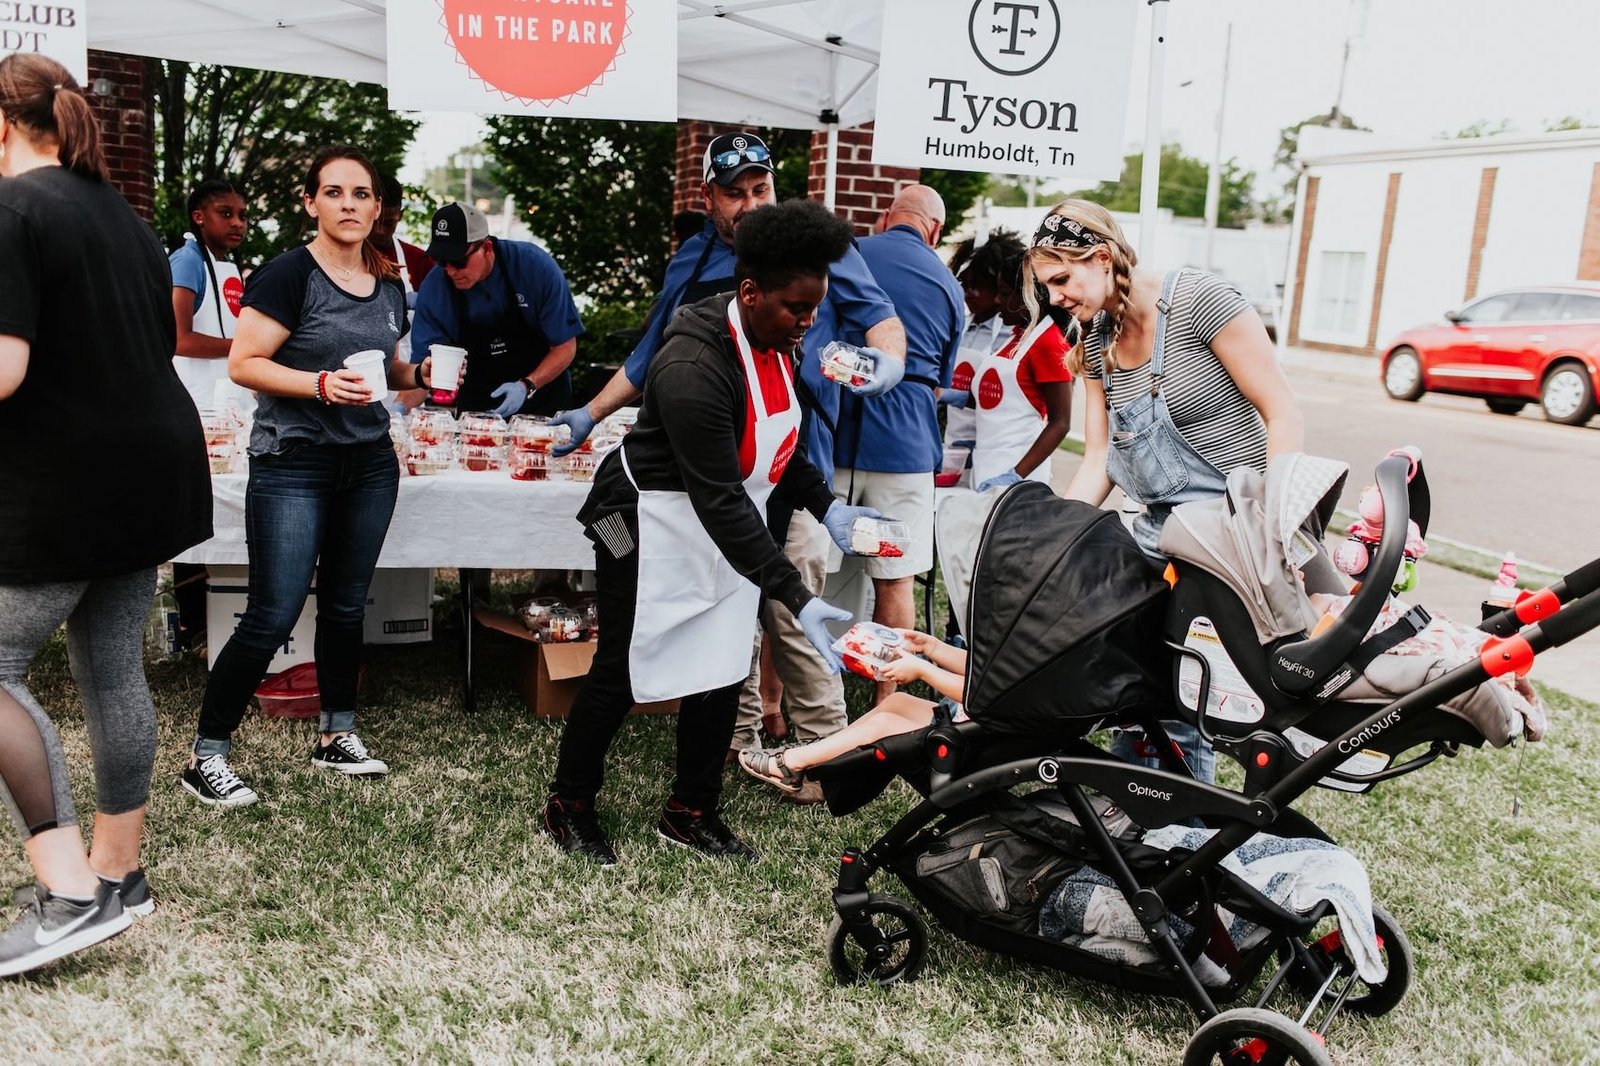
1388,236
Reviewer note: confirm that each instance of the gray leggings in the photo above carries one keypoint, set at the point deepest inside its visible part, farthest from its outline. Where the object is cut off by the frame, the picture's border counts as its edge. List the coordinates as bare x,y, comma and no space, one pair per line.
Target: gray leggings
105,647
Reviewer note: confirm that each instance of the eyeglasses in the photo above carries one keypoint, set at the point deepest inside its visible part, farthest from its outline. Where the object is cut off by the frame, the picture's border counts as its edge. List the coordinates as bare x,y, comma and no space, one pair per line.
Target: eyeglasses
457,264
724,161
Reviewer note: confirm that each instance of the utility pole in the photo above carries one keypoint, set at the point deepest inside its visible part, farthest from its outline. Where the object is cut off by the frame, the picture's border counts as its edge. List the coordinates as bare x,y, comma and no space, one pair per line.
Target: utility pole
1150,172
1356,28
1214,174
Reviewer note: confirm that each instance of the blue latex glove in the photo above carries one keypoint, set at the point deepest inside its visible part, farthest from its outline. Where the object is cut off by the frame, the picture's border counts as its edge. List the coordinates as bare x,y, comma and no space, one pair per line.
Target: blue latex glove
580,422
955,397
512,395
812,616
888,370
838,520
1000,481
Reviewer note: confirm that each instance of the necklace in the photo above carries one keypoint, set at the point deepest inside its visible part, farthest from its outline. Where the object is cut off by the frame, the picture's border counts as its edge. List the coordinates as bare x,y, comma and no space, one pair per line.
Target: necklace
344,273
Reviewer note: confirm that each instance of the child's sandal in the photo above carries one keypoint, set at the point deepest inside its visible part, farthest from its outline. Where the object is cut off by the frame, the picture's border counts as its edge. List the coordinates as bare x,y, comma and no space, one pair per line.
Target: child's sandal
768,765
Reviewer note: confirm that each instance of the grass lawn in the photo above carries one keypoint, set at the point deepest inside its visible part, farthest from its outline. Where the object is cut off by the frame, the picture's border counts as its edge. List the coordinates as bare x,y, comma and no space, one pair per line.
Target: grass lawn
425,919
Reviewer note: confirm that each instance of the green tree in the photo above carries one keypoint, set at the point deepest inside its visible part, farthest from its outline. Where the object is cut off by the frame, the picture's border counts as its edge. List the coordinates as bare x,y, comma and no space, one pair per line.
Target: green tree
1568,122
1183,188
1481,128
259,130
958,188
1289,141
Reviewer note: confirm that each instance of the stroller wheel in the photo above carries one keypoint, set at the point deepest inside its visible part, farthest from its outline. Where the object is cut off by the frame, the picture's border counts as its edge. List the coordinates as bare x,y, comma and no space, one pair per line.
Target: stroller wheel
890,952
1249,1035
1370,1000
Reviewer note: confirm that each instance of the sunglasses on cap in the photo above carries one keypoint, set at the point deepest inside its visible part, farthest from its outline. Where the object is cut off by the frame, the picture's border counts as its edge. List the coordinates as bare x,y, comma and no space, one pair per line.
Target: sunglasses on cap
457,264
725,161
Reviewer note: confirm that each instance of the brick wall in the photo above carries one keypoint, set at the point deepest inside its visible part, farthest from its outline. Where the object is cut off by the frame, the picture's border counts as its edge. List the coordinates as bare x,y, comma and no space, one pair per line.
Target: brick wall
1480,229
1589,250
692,140
127,129
864,189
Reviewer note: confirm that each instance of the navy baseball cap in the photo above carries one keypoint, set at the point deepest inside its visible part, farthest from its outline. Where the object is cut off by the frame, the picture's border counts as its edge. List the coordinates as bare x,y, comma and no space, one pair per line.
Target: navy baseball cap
456,228
731,154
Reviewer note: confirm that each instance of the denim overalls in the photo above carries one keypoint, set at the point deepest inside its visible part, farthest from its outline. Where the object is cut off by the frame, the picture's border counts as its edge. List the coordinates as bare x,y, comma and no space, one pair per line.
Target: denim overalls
1146,457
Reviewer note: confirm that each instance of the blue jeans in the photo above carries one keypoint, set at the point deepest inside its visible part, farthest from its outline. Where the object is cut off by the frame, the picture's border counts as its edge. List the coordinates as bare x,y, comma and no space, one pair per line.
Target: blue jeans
1201,759
317,508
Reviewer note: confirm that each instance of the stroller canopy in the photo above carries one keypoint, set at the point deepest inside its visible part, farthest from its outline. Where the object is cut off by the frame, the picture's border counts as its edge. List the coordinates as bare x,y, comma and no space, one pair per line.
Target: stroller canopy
1064,618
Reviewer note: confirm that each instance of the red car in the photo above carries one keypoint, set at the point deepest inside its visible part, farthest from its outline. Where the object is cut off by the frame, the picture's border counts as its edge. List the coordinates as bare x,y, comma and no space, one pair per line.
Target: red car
1512,348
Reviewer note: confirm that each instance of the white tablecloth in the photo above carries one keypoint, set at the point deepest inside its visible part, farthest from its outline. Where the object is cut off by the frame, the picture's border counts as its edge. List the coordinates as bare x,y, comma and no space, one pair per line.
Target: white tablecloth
457,518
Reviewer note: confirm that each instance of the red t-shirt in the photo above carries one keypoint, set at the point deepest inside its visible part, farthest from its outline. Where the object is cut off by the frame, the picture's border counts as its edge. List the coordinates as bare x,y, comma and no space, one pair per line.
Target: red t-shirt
773,371
1045,361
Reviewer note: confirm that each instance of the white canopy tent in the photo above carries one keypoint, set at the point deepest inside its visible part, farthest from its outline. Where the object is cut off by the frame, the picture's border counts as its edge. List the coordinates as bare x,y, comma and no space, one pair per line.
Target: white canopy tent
794,64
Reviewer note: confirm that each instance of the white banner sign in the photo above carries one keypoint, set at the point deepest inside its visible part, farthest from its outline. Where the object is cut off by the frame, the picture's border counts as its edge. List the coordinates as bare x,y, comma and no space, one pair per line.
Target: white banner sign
55,29
567,58
1006,86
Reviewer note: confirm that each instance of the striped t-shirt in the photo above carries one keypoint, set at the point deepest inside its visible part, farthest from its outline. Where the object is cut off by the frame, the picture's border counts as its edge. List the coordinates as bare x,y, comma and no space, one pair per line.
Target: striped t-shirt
1207,408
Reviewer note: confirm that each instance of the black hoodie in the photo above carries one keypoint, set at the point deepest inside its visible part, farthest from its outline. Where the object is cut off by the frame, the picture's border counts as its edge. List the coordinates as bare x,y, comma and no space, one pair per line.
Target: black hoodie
687,439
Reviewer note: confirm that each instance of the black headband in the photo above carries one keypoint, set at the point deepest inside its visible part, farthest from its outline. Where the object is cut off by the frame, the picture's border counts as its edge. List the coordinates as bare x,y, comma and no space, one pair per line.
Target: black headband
1059,231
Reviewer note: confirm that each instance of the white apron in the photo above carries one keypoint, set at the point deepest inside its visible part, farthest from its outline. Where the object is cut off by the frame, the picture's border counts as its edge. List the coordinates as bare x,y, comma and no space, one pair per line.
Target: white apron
695,615
1008,423
216,314
977,343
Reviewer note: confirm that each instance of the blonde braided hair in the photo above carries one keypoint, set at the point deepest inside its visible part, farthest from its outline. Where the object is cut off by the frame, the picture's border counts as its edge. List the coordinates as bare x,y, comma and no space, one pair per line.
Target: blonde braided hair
1098,225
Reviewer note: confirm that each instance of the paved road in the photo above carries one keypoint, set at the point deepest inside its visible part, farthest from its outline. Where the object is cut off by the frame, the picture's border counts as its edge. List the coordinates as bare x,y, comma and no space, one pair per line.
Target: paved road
1498,482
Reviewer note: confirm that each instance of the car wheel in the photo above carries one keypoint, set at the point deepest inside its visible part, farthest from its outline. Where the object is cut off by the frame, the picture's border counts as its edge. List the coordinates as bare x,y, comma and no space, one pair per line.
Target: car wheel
1506,407
1567,395
1402,375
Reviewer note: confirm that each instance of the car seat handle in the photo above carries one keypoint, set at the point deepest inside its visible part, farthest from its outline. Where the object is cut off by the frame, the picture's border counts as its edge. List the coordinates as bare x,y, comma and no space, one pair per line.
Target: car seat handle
1298,666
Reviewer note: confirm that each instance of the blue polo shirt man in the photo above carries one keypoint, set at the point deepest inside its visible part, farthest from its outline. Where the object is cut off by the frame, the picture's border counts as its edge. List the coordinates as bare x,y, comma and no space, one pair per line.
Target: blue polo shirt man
508,304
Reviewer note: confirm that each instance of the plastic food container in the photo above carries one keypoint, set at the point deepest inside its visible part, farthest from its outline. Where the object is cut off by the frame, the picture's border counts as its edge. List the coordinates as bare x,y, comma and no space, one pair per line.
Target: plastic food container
482,430
293,693
881,537
423,459
951,467
219,427
535,611
481,457
868,647
430,426
604,444
534,433
562,626
222,457
847,364
528,465
579,466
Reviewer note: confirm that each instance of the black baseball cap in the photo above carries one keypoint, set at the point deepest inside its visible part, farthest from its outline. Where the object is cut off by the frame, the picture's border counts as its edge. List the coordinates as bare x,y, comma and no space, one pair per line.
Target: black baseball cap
731,154
456,228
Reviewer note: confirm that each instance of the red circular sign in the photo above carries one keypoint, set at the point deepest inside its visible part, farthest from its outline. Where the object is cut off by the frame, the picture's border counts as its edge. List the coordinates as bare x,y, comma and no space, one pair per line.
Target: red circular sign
780,461
962,378
990,390
560,50
233,292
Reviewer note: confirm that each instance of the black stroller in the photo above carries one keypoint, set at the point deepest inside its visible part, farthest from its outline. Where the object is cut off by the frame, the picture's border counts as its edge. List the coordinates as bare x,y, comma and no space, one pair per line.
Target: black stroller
1071,631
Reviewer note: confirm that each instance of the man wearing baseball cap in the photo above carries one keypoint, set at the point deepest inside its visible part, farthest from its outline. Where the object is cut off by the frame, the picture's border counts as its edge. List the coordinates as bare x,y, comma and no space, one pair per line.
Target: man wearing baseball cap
507,303
737,178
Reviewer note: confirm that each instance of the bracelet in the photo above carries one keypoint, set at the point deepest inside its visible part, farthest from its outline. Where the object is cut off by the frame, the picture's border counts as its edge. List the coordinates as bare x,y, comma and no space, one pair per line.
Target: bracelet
417,373
321,387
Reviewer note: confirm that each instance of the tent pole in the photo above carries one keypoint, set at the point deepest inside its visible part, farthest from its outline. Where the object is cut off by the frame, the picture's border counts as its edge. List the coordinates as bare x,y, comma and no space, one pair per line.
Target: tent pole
1150,175
830,117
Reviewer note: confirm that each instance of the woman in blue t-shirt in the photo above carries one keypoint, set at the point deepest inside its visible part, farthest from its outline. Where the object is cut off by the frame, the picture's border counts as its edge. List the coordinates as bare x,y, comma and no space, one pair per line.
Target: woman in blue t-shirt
323,475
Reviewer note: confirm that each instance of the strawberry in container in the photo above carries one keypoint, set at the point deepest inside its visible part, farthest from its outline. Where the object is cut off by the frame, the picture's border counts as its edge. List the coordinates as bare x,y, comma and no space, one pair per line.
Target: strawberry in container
527,465
534,433
881,537
429,426
423,459
847,364
868,647
481,457
483,430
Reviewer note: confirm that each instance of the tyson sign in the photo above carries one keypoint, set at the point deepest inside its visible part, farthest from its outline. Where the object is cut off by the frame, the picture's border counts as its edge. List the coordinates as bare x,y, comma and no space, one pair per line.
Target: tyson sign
573,58
1015,86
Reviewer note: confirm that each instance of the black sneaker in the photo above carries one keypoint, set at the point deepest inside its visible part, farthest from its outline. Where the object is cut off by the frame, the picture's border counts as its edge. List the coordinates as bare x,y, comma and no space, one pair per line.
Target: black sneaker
704,831
133,890
212,781
50,926
346,754
576,829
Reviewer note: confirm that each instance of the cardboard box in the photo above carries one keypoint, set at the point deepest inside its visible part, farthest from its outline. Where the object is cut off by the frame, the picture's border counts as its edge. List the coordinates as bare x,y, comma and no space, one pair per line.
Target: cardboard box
227,591
399,607
548,676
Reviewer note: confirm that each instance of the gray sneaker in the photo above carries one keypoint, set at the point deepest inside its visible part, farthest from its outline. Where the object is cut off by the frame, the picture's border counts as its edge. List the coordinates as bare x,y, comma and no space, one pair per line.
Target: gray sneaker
50,927
134,890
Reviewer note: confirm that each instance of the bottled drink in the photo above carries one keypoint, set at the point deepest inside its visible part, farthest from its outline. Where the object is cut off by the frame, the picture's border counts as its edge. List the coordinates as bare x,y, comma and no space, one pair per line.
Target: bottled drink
1503,589
161,632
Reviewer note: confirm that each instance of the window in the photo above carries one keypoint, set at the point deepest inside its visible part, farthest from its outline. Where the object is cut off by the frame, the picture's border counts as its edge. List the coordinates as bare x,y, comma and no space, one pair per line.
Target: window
1580,308
1339,292
1535,307
1489,310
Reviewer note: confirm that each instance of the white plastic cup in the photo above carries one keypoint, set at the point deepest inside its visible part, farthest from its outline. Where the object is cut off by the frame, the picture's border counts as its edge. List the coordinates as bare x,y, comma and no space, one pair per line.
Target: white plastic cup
369,365
447,360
